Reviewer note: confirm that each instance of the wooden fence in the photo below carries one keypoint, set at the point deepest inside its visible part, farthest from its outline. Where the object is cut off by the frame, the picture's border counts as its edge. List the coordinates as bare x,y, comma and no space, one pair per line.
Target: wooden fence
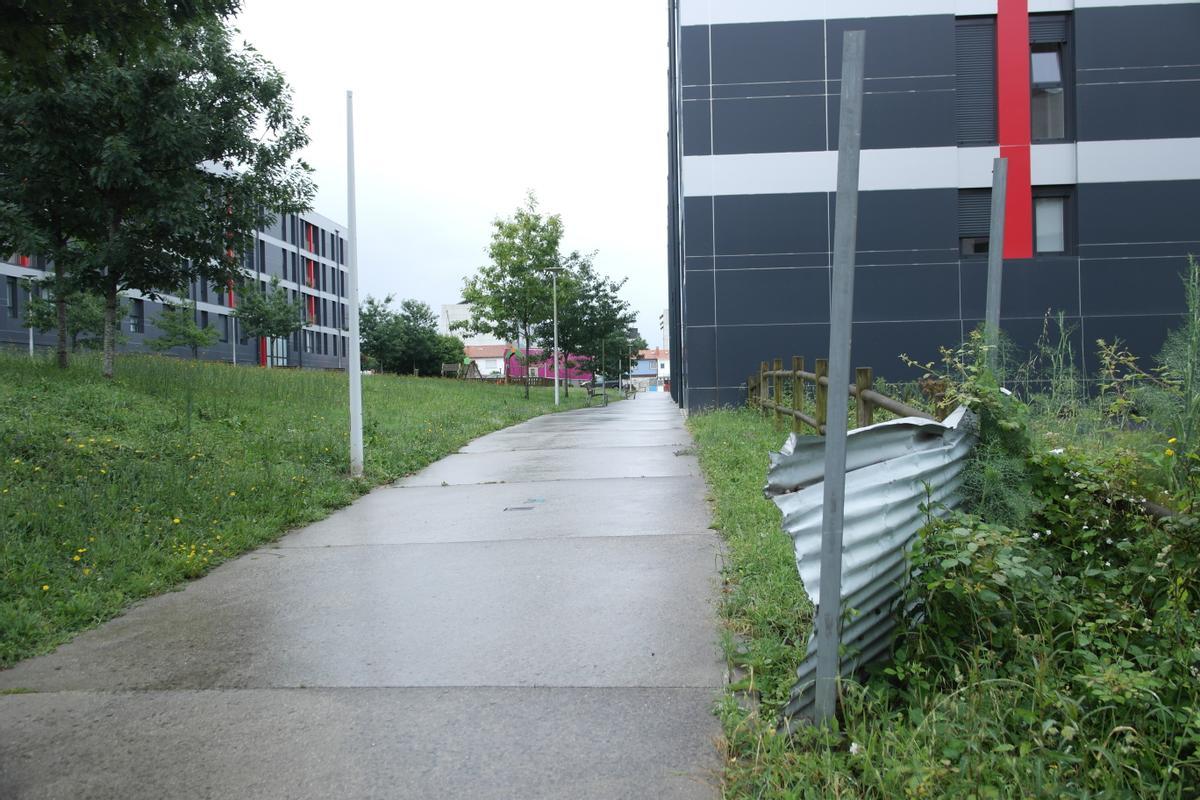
766,391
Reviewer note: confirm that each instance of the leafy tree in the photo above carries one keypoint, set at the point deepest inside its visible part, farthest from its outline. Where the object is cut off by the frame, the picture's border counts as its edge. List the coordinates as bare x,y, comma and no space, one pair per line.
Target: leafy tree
594,321
146,169
511,296
268,313
179,329
84,314
405,340
34,30
42,44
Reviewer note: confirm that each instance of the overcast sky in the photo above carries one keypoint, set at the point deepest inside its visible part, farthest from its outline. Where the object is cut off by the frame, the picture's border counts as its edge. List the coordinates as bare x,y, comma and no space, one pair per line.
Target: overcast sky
461,108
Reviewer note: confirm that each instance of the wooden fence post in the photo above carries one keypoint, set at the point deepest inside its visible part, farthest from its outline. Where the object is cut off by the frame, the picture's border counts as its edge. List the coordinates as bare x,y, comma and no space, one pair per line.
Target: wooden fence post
822,371
797,391
866,409
762,388
777,382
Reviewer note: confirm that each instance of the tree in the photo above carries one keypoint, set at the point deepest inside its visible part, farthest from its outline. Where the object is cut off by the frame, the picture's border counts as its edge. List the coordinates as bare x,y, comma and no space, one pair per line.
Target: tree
268,312
510,296
40,46
149,168
84,314
594,321
405,340
179,329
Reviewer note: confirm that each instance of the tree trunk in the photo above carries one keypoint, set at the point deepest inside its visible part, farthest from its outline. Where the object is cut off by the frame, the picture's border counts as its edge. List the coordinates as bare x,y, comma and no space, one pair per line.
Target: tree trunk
526,364
60,310
110,328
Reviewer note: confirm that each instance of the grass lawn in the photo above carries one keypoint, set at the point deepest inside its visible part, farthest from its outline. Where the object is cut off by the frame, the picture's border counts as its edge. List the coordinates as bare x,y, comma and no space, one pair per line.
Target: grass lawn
112,491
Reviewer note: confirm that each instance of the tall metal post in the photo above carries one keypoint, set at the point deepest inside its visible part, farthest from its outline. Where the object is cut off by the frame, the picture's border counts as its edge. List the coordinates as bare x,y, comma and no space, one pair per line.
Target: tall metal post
354,365
995,261
829,608
554,280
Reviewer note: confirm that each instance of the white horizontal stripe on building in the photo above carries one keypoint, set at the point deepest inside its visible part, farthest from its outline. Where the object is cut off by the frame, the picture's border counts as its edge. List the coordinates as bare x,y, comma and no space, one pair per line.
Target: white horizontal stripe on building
941,167
720,12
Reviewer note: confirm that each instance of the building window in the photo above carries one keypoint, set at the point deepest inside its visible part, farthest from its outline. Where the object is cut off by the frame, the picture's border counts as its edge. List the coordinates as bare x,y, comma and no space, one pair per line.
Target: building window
975,80
224,328
1049,107
309,341
10,298
1050,77
203,319
974,222
137,317
1052,228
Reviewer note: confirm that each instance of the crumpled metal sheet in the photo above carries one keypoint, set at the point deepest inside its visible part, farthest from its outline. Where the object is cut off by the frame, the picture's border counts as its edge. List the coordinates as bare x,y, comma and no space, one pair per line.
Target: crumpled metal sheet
891,469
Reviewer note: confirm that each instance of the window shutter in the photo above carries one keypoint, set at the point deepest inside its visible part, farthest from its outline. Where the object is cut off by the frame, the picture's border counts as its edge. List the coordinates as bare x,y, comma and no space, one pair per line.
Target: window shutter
974,212
975,81
1047,29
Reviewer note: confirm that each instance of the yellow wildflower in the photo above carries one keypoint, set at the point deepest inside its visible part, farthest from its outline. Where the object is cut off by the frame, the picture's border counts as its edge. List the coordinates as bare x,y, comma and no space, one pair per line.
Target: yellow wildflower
1168,452
87,571
75,558
45,587
175,521
1172,440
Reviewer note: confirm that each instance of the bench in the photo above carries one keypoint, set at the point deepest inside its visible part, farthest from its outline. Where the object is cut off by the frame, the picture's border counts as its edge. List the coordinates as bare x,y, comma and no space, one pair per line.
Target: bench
596,390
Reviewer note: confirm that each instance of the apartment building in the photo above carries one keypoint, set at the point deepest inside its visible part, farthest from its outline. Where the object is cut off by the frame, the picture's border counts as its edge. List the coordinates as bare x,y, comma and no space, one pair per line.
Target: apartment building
307,252
1095,103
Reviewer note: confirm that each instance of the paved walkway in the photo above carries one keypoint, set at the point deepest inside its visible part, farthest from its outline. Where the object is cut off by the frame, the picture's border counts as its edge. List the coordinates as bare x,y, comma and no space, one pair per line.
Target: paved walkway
532,617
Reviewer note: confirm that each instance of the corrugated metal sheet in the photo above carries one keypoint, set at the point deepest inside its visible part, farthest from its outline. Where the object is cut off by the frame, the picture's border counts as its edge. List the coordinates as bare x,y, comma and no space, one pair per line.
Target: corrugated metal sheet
888,467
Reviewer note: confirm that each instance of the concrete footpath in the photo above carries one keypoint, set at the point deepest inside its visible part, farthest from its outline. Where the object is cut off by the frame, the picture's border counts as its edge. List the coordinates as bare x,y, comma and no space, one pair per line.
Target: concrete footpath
532,617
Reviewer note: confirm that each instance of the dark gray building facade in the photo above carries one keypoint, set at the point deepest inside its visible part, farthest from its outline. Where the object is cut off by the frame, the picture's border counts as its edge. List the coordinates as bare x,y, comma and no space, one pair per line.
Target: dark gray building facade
1095,103
307,252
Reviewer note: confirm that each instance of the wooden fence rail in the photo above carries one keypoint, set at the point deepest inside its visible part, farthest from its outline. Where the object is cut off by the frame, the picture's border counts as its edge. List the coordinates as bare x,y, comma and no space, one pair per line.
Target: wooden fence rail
766,392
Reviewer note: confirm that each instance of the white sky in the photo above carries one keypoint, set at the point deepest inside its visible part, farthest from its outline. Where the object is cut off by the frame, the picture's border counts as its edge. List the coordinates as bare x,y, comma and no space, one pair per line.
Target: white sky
461,107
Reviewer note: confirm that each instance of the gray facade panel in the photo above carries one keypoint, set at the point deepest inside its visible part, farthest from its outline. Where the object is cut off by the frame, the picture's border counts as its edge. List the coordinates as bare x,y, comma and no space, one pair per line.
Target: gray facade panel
894,119
698,298
771,223
693,55
1028,288
697,128
906,292
923,219
1138,110
1133,286
768,125
741,348
697,226
1136,36
702,356
768,51
772,296
896,46
1136,212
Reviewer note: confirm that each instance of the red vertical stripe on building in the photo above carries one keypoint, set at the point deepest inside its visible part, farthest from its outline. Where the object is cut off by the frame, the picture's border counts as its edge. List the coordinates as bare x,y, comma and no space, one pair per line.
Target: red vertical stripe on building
1013,99
262,351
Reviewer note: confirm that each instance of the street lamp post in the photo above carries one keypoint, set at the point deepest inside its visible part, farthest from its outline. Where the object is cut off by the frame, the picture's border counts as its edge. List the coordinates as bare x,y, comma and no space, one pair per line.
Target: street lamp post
557,358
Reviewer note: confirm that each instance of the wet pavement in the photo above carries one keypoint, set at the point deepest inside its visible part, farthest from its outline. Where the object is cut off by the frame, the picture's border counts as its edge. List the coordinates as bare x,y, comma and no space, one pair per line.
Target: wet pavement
533,617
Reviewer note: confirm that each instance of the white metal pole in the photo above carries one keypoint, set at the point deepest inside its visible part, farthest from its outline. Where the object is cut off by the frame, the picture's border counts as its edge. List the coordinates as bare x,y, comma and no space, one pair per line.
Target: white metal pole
31,342
829,598
554,281
354,367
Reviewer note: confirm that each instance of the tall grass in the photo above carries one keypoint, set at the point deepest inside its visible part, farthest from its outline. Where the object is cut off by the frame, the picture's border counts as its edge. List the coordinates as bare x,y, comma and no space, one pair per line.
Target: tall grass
113,491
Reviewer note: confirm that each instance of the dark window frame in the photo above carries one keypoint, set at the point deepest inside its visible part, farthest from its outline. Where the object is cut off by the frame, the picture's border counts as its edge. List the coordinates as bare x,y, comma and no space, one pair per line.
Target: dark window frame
1066,53
1070,225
